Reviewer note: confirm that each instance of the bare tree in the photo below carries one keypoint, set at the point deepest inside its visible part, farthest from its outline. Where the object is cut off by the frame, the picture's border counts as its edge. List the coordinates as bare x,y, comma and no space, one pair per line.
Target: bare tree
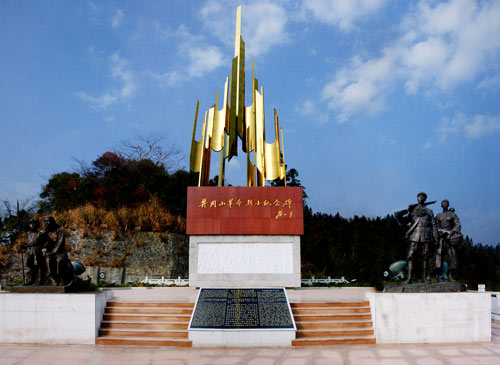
150,147
81,167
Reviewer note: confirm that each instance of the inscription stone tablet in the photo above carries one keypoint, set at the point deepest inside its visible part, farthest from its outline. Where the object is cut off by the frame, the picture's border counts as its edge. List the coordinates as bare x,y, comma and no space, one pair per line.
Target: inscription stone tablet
242,308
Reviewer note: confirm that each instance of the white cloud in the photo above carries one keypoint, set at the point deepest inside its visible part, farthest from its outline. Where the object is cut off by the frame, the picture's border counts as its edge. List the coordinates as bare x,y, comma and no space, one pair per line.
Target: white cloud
360,87
263,24
234,165
218,18
204,60
167,78
424,59
472,127
459,39
102,101
441,46
161,32
310,109
341,13
490,81
481,125
119,71
126,86
450,126
117,18
265,27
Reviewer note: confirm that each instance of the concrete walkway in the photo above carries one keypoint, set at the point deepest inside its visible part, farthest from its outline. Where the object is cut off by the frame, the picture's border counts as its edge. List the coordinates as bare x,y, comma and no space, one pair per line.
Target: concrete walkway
480,353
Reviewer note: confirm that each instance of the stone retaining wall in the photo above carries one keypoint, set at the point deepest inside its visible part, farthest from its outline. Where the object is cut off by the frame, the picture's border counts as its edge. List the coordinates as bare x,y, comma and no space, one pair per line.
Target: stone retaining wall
131,257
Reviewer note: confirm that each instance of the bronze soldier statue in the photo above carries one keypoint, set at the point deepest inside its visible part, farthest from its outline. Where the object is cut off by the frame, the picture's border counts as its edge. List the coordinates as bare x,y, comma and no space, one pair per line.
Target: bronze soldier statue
54,248
35,261
422,232
449,231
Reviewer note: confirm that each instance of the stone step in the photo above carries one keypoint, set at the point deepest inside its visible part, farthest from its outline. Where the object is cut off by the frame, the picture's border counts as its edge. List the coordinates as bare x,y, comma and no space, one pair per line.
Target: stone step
329,304
151,304
140,310
142,333
331,317
334,333
343,310
145,325
141,341
145,317
333,324
327,324
347,340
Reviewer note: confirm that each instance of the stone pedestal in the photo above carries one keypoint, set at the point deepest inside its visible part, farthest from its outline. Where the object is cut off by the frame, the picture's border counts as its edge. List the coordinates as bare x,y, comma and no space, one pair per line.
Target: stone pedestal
451,287
33,289
71,319
244,236
431,317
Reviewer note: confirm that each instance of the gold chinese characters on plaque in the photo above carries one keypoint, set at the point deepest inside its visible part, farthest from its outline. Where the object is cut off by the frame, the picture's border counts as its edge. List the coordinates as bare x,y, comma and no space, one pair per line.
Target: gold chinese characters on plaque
238,203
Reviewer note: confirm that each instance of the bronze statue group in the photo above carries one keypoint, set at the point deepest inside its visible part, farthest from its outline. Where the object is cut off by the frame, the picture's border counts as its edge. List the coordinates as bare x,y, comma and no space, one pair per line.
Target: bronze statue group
46,255
434,237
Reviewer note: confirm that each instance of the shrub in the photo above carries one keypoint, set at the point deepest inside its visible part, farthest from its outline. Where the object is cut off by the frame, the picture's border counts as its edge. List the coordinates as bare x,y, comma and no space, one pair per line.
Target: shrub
148,216
91,261
118,262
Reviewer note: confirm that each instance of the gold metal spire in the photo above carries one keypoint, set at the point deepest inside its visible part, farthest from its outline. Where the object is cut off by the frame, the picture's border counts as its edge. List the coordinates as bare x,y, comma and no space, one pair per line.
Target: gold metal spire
222,128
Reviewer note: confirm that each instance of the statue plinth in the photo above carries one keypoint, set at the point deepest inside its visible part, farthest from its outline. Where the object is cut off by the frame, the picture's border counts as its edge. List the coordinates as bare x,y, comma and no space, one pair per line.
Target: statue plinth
244,236
35,289
453,287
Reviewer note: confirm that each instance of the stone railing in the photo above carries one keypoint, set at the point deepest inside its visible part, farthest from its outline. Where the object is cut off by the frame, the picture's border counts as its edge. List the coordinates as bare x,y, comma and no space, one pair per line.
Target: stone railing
307,282
163,281
329,280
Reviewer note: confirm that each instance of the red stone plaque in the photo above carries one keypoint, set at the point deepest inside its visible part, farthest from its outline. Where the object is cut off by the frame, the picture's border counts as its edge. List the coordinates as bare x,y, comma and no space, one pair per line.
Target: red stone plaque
244,210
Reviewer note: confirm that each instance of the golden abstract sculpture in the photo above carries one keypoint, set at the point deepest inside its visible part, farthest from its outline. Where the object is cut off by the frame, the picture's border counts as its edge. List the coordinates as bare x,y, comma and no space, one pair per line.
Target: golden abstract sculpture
222,128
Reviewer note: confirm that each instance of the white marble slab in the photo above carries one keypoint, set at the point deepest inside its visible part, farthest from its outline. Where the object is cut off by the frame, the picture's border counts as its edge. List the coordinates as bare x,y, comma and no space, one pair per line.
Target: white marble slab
242,338
431,317
244,261
51,318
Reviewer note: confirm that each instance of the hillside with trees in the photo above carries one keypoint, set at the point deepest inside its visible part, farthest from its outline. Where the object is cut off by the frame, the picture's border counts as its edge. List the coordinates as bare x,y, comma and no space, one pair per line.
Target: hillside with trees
139,188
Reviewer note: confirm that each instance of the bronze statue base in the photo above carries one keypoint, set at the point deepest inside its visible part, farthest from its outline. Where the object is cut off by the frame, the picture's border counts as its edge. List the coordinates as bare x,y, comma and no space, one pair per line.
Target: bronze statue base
40,289
453,287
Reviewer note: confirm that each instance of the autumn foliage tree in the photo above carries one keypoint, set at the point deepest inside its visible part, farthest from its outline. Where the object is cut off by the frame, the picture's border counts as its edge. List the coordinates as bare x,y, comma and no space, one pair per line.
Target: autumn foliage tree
114,180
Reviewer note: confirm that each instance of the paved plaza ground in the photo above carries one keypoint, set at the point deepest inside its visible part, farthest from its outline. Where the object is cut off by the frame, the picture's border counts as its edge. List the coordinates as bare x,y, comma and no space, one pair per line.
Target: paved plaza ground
476,353
467,354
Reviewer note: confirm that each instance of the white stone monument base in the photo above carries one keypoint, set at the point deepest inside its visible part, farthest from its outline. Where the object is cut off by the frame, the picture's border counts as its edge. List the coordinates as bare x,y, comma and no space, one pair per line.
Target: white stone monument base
71,319
257,261
242,338
431,317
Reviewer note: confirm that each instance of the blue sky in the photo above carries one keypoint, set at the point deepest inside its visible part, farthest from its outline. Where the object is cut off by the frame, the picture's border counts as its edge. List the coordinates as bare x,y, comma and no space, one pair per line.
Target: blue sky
378,99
